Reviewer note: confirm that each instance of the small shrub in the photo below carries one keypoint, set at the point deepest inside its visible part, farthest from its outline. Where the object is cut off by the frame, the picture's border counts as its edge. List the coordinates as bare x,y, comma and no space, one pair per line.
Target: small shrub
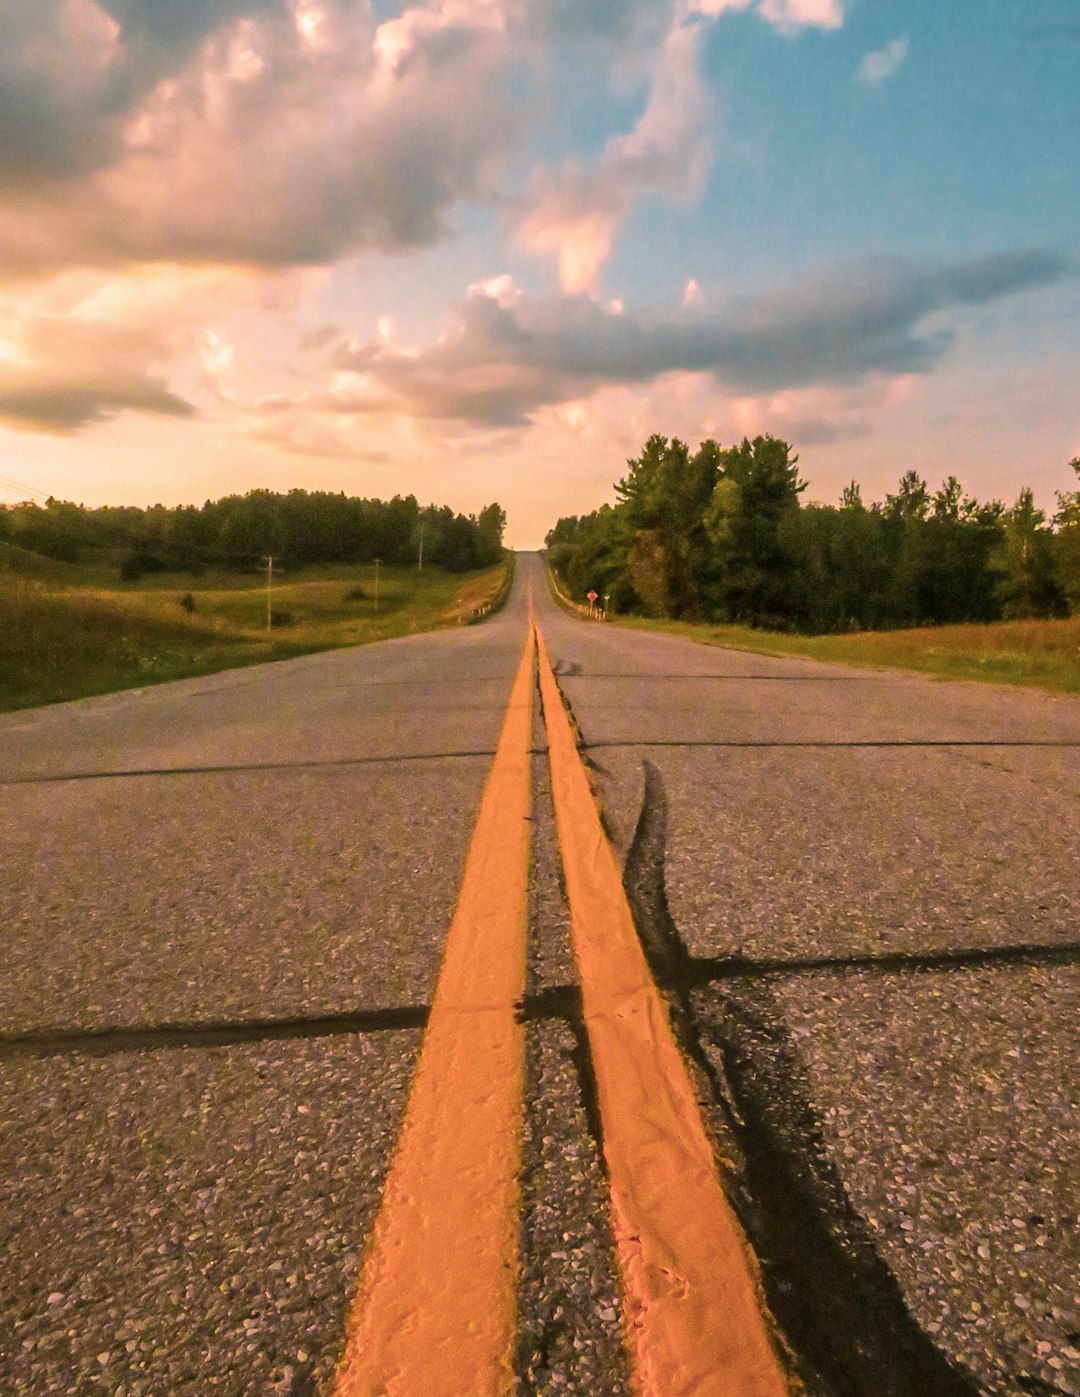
281,618
138,562
357,594
187,602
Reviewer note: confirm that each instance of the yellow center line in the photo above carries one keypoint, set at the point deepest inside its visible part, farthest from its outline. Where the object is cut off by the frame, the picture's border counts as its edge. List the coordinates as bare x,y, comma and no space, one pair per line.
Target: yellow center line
695,1314
434,1315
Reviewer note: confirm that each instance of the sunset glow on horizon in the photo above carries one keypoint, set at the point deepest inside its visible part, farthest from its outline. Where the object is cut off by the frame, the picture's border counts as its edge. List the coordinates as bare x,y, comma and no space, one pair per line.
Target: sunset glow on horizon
482,249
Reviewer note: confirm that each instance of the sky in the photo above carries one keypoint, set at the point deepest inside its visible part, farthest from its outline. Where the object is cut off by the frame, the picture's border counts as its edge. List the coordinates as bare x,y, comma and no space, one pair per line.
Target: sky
480,250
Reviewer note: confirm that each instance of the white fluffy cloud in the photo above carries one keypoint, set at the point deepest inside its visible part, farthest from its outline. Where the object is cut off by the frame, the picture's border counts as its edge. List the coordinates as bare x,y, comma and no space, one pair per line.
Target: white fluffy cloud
785,15
244,131
882,63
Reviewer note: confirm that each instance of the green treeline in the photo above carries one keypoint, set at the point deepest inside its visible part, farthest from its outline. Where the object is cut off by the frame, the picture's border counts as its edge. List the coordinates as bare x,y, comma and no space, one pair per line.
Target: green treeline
239,530
722,534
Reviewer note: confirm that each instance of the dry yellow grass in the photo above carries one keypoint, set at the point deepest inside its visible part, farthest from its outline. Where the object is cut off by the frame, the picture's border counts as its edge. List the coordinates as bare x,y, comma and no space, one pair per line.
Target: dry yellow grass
1041,653
64,642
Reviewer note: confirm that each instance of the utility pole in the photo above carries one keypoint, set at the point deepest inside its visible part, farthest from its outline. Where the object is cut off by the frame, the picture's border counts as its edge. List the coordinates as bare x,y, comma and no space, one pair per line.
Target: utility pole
269,583
377,584
420,559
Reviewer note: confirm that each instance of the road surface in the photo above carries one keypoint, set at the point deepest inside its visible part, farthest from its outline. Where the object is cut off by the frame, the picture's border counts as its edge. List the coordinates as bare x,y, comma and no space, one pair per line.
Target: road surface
225,903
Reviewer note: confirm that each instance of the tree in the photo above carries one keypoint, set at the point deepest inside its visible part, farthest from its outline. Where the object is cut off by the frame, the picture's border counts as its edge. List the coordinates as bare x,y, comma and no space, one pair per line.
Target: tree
1067,540
664,497
1028,584
490,525
959,537
851,496
905,541
754,498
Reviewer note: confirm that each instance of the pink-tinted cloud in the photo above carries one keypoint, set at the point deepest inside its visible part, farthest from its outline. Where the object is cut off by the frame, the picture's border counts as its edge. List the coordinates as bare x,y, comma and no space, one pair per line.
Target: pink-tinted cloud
506,358
65,374
575,212
84,348
785,15
265,133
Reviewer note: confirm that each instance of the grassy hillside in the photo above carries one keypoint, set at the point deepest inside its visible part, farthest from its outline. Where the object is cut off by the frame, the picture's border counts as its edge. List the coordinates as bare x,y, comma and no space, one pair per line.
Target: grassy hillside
1041,653
22,563
62,640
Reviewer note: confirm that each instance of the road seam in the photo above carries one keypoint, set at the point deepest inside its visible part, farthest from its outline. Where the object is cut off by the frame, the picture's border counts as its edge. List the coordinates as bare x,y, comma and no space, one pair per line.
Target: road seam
435,1311
695,1312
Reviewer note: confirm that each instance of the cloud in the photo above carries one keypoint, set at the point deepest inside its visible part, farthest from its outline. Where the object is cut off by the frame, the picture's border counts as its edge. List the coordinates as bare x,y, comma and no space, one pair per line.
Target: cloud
786,15
244,131
84,348
277,133
575,212
505,359
73,71
41,405
610,19
823,413
790,15
882,63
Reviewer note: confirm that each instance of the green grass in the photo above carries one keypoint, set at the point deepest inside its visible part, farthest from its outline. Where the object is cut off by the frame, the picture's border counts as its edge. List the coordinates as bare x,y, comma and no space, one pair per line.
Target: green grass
1045,654
62,640
21,562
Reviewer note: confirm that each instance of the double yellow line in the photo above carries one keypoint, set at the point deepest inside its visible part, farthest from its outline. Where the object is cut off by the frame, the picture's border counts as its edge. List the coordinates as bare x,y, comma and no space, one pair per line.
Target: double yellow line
435,1313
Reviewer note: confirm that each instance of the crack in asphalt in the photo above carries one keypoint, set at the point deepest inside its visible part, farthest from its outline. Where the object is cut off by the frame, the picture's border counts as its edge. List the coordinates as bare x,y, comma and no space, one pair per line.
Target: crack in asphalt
578,673
706,970
557,1002
331,763
675,971
325,763
839,1306
298,686
103,1042
828,743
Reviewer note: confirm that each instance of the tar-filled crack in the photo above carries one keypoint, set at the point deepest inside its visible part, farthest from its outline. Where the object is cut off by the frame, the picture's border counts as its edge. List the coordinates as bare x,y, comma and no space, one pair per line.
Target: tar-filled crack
727,678
838,1305
321,764
557,1002
216,1033
707,970
840,744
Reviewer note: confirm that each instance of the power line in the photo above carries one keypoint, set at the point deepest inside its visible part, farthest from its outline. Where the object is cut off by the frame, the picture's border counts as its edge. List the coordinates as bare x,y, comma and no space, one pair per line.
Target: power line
20,489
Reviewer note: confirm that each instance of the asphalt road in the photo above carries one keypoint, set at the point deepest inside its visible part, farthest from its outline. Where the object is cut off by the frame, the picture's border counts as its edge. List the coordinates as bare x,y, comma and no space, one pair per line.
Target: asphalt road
224,900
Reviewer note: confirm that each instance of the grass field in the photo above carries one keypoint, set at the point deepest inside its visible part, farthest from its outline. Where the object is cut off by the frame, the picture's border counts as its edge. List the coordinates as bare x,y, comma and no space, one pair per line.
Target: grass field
1041,653
61,637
